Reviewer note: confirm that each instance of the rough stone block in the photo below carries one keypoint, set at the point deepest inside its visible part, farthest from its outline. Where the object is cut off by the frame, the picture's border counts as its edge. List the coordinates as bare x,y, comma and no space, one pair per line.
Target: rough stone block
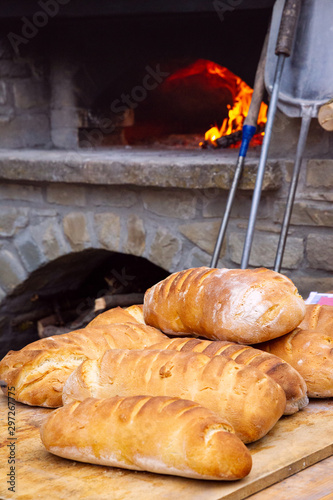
210,200
29,94
215,206
186,170
113,197
285,135
136,236
26,130
65,138
38,215
164,249
178,204
307,214
12,219
20,192
64,126
29,250
264,248
66,194
319,250
197,258
203,235
50,239
107,227
12,272
76,230
272,178
319,174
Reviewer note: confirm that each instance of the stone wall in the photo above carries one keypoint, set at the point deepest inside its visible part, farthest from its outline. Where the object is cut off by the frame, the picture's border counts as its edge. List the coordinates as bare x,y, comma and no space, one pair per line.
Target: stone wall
134,207
24,100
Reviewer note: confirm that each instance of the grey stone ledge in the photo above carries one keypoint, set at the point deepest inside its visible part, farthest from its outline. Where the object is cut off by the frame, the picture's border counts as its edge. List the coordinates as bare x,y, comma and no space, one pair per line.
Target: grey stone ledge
194,169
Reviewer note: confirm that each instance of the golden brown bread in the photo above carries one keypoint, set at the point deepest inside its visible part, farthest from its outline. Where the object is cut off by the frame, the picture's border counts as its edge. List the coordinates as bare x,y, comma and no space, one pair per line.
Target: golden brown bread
310,352
285,375
247,398
240,305
157,434
137,312
118,315
319,318
39,370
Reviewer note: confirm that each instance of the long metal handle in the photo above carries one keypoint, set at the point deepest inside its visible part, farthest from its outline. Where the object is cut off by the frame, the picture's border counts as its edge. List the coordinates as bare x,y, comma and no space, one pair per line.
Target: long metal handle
249,128
288,25
262,162
306,120
227,210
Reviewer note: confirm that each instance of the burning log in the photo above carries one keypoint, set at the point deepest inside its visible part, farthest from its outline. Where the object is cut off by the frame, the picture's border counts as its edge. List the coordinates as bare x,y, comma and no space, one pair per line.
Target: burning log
228,140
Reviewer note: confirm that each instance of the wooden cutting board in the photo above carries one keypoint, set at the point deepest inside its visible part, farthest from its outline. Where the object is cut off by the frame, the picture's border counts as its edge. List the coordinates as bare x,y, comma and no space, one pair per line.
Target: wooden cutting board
294,443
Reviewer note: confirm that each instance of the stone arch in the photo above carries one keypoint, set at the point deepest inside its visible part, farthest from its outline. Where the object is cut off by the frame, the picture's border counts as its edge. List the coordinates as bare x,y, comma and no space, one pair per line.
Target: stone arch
68,285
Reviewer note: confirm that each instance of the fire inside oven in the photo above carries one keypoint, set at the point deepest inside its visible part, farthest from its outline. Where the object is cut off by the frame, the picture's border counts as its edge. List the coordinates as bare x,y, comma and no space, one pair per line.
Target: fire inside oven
202,104
188,83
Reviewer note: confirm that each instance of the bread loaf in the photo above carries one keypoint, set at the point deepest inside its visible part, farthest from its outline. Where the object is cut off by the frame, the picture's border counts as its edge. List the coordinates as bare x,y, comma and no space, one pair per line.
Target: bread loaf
251,401
318,318
132,314
310,352
240,305
39,370
156,434
285,375
137,312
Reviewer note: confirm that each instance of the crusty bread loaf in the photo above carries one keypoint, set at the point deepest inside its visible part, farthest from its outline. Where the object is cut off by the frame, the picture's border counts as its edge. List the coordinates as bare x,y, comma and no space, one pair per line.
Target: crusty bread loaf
240,305
310,352
137,312
285,375
39,370
118,315
143,433
250,400
318,318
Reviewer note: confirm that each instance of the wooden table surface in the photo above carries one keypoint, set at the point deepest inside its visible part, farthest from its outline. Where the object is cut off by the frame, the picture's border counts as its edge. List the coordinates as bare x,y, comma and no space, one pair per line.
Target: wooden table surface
313,483
292,446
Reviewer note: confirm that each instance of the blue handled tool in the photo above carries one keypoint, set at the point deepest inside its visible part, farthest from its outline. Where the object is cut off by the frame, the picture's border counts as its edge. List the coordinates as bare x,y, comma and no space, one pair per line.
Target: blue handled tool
248,131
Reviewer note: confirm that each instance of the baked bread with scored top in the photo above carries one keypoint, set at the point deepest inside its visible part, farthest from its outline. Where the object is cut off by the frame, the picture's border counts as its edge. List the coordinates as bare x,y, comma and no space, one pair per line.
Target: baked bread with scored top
310,352
279,370
39,370
248,399
131,314
318,317
143,433
247,306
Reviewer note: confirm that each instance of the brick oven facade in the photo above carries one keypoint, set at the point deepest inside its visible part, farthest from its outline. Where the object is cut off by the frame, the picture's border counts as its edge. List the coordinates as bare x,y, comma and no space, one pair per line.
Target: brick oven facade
166,209
164,205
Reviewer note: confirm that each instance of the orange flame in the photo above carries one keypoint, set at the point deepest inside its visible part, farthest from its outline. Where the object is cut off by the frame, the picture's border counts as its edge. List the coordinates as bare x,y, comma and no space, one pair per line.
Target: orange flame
242,95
